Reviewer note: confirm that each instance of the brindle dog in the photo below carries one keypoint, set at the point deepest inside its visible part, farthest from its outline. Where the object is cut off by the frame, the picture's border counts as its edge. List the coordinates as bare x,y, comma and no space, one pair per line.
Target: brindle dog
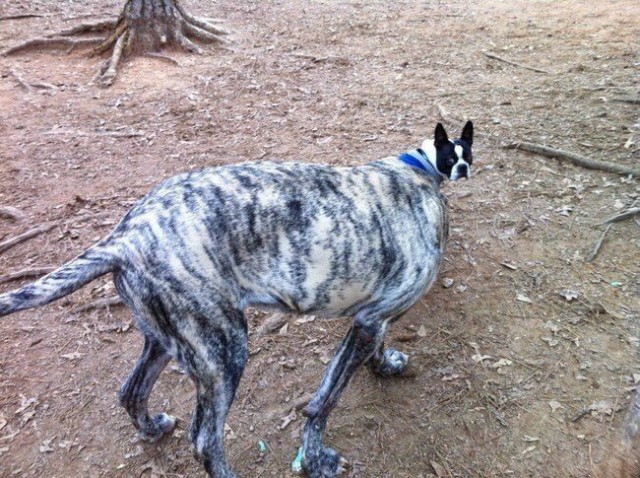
364,242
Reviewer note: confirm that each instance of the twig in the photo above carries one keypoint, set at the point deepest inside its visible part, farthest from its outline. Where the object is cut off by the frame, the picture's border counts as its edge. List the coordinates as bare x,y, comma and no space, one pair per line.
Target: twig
633,101
622,216
96,304
20,17
575,159
21,81
320,59
9,243
496,57
24,273
596,250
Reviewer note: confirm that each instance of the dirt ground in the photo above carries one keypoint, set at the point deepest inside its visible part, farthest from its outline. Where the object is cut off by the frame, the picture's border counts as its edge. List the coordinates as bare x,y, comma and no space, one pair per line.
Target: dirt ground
526,362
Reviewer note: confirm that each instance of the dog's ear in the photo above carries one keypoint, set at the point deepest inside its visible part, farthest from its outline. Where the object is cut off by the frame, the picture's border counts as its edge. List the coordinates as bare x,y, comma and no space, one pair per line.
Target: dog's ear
440,138
467,133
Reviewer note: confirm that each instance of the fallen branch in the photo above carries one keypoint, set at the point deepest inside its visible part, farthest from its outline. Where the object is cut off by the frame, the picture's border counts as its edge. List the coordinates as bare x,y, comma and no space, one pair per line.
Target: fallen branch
509,62
96,304
575,159
9,243
596,250
26,273
625,215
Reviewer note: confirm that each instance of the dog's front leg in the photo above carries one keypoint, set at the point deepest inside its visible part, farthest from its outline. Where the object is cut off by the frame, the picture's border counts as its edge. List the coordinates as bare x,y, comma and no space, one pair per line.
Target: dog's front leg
363,339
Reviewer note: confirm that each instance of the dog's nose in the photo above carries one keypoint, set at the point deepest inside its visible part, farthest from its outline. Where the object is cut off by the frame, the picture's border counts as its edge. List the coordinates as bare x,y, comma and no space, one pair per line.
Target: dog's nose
463,170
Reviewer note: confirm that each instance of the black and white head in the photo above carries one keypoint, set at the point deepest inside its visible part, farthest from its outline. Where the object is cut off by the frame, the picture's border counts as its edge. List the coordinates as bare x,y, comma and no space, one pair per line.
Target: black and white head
452,159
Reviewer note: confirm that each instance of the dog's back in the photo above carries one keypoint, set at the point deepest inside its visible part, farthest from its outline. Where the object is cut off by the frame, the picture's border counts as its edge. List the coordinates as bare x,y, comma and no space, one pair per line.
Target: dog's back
296,236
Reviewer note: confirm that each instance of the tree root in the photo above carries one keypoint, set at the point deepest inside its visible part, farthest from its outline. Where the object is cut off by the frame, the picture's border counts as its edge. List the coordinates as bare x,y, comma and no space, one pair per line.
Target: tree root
144,27
54,43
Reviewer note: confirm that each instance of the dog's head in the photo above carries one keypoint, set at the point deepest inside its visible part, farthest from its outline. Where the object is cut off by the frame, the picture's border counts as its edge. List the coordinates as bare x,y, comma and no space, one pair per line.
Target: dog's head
452,159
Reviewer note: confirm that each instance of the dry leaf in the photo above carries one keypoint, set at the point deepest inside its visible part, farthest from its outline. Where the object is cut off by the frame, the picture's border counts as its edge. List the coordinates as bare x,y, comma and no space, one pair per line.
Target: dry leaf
503,362
555,405
478,358
72,356
438,468
524,298
287,420
570,295
46,447
305,319
229,434
422,331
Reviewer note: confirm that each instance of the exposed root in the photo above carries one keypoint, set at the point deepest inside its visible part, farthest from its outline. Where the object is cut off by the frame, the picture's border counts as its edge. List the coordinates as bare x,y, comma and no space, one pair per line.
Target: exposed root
166,58
109,70
53,43
99,26
111,39
143,27
187,44
203,23
202,34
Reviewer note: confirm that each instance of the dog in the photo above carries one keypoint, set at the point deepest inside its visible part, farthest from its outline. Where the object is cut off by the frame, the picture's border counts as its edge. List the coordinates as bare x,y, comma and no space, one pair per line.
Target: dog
364,242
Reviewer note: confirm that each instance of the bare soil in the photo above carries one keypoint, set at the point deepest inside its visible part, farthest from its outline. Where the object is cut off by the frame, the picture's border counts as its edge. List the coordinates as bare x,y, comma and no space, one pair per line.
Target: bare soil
526,362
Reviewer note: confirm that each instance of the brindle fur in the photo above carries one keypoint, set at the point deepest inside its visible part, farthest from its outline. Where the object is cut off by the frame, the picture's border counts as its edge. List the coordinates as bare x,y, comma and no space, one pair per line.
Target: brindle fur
364,241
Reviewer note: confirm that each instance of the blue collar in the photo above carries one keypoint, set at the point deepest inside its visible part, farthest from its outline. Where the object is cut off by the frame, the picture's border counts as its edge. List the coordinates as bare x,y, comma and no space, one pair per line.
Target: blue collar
417,158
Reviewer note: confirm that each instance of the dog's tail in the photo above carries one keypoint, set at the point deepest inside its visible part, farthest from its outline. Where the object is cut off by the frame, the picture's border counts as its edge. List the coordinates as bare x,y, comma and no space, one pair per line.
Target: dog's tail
89,265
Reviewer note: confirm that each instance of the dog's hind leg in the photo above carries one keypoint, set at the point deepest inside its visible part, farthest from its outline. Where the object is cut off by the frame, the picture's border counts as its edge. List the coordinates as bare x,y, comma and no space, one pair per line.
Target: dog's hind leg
388,362
216,371
135,392
363,339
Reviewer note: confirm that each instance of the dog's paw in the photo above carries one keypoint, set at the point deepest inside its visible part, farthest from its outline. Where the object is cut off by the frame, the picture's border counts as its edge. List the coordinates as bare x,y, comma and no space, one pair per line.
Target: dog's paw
160,425
393,363
326,463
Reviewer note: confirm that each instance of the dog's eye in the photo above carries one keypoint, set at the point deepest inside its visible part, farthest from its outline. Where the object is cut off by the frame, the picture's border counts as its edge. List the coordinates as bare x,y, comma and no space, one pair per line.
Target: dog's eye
452,161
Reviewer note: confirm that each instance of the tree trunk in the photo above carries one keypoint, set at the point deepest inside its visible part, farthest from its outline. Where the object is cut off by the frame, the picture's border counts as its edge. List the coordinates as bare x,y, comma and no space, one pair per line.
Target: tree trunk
150,25
143,27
